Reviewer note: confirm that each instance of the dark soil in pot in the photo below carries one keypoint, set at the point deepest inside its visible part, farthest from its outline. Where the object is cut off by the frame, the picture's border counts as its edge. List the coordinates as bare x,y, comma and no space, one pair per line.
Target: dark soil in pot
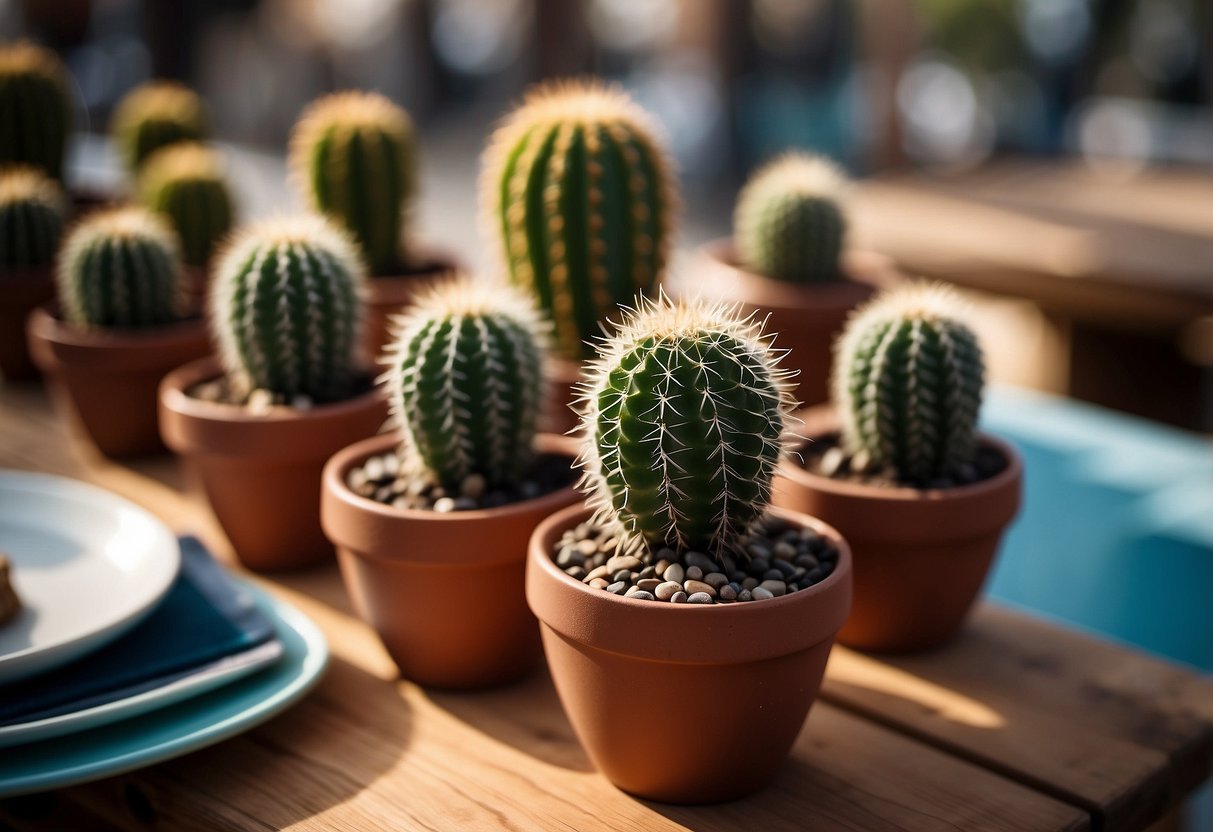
442,588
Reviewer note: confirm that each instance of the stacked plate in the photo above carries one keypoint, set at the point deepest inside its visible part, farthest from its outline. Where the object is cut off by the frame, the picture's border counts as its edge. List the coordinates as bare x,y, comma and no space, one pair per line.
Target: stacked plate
120,619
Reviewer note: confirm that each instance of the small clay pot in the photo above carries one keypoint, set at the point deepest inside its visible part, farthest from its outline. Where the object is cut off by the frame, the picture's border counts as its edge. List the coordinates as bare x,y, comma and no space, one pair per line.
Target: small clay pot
387,295
684,703
21,291
261,472
444,591
921,556
807,318
109,377
558,415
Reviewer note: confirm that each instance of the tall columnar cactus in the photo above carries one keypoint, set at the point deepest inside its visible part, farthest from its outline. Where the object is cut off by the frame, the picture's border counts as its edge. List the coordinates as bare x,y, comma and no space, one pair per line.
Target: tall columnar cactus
353,155
465,382
32,208
579,191
35,108
908,384
121,268
790,220
286,306
683,419
154,115
185,183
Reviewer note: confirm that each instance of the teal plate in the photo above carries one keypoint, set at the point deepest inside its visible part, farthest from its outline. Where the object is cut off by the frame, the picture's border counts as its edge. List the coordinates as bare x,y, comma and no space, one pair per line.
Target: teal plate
179,729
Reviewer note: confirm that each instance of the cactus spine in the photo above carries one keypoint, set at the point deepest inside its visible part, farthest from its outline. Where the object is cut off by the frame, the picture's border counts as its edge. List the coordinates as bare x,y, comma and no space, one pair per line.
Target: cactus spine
353,155
32,208
35,108
285,308
908,384
579,191
155,115
184,182
683,417
790,220
121,268
465,382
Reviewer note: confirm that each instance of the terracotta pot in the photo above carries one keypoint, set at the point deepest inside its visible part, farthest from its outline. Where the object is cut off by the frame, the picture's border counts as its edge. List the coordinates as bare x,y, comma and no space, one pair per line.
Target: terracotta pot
921,556
807,318
261,472
21,291
558,415
387,295
443,591
680,703
109,377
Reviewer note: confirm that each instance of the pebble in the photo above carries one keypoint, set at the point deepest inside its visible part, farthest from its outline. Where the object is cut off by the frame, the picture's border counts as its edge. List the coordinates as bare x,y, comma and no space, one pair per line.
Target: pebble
776,588
699,598
629,562
666,591
444,505
648,584
618,588
702,561
715,579
694,573
699,588
675,572
761,594
679,598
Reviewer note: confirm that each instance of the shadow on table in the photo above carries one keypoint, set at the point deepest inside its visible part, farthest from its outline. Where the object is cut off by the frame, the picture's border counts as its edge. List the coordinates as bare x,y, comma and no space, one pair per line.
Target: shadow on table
526,715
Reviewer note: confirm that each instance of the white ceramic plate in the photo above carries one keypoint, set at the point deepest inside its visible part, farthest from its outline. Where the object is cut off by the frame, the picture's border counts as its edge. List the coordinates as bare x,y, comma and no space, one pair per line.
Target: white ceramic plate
87,565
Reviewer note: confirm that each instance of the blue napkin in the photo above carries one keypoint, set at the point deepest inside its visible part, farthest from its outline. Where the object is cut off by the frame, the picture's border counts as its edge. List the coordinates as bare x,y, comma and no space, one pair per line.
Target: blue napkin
204,618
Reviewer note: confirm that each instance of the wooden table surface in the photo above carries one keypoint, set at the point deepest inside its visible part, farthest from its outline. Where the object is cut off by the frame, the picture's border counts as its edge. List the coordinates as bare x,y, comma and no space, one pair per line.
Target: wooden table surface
1019,725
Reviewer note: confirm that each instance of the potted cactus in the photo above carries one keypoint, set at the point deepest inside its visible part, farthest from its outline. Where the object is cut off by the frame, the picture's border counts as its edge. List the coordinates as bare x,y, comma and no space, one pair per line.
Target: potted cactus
32,209
431,523
258,425
578,193
34,93
122,322
185,183
788,260
155,115
353,156
919,493
682,595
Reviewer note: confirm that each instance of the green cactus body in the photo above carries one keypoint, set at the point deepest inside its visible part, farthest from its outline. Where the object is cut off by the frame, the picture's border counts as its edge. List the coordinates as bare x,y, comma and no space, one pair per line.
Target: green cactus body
31,218
285,308
121,269
683,419
35,108
582,199
184,182
908,385
790,220
155,115
354,157
465,382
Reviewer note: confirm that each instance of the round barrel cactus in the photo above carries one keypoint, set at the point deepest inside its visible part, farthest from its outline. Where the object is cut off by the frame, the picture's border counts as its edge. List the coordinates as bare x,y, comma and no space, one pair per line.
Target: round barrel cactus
353,155
32,208
579,191
121,268
185,183
286,308
683,418
154,115
790,220
908,384
35,108
465,381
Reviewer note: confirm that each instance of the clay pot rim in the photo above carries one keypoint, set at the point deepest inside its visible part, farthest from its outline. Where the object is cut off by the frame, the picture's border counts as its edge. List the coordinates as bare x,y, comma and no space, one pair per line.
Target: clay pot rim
903,494
579,603
174,397
51,327
852,273
422,261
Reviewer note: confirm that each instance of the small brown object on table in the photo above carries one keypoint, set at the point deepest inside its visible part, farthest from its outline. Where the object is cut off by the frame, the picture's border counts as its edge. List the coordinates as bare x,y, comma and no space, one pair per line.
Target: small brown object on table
1018,725
10,604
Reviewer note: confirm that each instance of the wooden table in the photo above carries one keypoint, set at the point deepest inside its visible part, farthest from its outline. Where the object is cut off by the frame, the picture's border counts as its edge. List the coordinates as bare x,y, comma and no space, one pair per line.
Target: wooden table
1019,725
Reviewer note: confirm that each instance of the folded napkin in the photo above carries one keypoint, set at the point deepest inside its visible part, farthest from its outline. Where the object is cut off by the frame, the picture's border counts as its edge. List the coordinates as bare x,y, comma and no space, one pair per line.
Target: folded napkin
205,622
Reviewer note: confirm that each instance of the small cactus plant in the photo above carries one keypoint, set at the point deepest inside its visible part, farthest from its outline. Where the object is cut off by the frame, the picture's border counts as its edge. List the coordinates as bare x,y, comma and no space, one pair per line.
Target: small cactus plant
35,108
683,419
185,183
353,155
32,208
154,115
578,189
121,268
908,385
285,308
465,382
790,220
